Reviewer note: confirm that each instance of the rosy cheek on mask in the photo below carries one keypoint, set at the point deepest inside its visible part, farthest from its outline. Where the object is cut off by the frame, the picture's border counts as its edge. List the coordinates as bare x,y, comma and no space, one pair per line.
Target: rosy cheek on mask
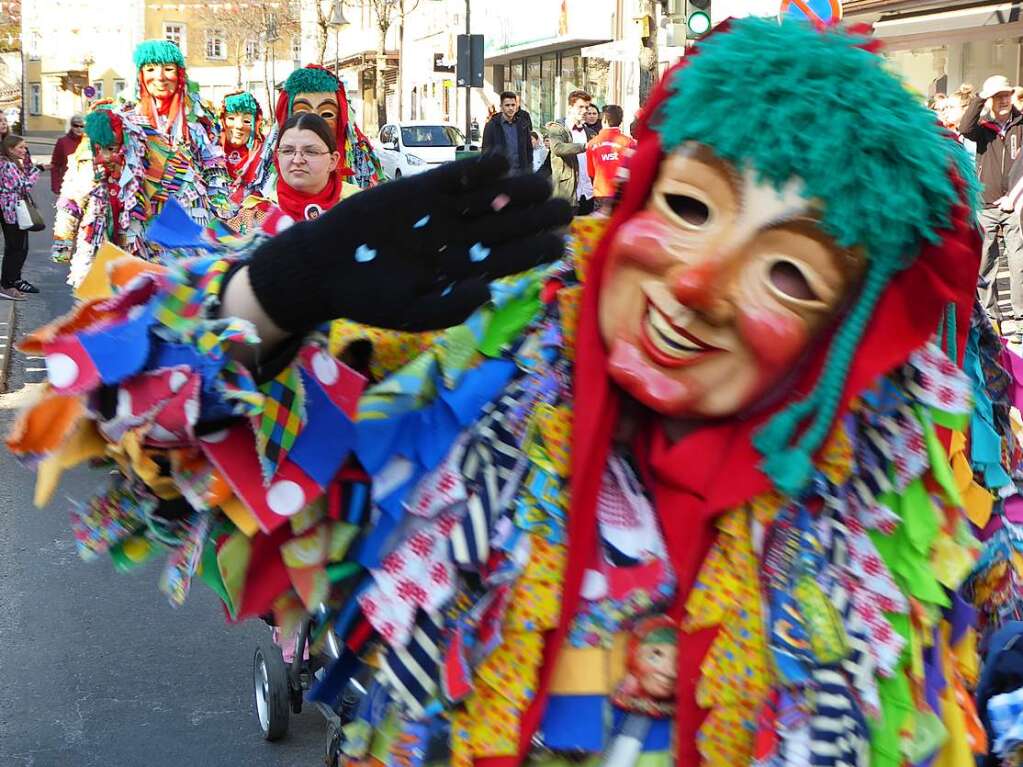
633,372
777,339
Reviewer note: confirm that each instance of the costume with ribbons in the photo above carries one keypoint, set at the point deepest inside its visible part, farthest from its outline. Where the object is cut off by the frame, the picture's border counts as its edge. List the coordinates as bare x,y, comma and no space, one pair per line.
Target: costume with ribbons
522,562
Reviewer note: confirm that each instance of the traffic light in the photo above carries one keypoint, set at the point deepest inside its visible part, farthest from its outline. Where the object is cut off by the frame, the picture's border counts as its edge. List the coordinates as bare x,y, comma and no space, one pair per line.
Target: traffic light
697,18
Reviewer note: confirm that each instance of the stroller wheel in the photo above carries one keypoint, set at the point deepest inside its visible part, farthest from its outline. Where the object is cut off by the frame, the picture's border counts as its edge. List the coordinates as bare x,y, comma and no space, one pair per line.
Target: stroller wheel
270,683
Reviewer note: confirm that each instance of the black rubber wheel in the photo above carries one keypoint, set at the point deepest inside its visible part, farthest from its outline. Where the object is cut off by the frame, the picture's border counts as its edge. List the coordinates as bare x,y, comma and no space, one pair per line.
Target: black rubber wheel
271,692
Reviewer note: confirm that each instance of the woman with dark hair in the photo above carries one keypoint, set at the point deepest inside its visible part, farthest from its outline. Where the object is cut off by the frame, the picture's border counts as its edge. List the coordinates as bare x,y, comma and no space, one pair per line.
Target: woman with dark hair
17,176
306,158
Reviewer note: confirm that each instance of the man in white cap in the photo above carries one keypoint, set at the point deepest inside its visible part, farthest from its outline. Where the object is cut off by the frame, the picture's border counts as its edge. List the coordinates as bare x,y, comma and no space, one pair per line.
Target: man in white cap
996,126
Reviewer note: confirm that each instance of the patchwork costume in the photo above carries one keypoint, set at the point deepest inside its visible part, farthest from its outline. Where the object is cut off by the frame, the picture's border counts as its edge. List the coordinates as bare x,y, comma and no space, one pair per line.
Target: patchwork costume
710,489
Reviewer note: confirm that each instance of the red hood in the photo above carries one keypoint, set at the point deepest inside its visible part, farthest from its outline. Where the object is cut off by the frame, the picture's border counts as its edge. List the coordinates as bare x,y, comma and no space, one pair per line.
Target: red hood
689,477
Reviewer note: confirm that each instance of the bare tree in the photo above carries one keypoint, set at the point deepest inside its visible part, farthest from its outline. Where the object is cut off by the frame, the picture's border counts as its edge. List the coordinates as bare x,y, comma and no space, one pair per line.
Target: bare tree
405,7
322,28
248,30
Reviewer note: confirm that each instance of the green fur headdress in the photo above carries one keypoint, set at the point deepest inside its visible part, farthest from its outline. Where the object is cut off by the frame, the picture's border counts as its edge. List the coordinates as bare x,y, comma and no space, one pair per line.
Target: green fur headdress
309,80
241,102
871,154
158,52
99,127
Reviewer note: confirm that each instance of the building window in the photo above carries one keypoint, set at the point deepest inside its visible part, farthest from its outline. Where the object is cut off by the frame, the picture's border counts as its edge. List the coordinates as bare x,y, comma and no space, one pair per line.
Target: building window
98,87
251,49
35,98
296,51
175,32
119,86
216,46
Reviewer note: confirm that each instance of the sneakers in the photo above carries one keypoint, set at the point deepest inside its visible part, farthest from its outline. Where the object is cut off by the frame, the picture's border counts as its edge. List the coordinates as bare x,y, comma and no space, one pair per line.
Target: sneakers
12,294
26,287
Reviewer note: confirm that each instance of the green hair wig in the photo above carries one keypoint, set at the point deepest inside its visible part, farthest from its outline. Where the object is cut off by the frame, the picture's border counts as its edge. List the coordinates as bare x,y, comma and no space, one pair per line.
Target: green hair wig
99,128
158,52
875,158
241,102
309,80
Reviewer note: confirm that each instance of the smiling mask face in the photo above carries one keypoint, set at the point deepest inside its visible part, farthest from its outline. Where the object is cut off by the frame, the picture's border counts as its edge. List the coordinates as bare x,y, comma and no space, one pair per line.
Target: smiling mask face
717,288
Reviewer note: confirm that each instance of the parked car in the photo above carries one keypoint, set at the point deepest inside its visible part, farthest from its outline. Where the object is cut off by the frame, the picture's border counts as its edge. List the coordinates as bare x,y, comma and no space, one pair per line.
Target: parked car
411,147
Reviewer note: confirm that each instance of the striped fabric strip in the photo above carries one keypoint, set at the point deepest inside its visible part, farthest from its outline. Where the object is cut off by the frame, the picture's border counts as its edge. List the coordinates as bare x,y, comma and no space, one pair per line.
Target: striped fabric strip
412,672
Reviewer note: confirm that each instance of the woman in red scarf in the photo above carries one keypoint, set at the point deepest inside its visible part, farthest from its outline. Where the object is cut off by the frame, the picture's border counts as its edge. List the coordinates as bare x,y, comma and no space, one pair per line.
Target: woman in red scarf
306,157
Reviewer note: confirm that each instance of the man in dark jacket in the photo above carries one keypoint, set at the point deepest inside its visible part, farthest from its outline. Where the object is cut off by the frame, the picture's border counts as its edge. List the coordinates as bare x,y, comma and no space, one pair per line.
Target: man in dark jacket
998,132
64,148
508,133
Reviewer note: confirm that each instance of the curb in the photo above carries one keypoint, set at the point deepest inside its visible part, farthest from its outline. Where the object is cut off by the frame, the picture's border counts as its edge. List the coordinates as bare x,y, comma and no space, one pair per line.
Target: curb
8,326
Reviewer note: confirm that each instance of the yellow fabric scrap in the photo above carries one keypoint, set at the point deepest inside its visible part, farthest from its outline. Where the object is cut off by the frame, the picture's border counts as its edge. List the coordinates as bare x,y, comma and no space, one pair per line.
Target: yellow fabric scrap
97,282
240,515
84,444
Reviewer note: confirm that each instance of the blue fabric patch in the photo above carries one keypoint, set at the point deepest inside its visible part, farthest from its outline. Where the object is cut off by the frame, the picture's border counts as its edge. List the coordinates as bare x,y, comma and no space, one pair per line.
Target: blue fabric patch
119,351
659,736
369,551
575,722
329,689
327,439
173,228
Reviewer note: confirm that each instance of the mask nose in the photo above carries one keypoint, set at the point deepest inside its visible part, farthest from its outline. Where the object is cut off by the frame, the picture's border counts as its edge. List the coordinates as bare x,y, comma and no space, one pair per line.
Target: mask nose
704,288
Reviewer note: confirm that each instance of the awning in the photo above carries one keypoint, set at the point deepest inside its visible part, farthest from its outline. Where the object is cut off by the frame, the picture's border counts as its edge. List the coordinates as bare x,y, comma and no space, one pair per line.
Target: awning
951,24
538,47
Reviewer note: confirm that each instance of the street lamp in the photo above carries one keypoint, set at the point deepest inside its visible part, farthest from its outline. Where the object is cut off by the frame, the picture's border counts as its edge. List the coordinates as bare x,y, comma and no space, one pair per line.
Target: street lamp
337,21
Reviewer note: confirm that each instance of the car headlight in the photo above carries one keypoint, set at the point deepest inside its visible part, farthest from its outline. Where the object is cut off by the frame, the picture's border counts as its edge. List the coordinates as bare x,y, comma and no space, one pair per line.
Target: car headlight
413,160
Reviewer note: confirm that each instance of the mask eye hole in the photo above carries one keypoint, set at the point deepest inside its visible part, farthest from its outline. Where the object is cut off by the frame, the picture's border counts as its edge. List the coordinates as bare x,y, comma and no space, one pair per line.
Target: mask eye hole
789,280
693,212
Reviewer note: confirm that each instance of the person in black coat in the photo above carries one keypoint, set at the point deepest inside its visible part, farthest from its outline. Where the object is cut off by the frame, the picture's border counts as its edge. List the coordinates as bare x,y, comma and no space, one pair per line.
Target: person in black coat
508,134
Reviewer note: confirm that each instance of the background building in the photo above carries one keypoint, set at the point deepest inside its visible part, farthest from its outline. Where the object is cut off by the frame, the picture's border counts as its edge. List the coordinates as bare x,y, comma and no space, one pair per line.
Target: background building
71,45
937,45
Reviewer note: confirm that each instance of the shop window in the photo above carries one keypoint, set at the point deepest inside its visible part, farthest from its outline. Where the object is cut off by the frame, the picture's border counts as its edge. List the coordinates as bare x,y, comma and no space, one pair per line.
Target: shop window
119,86
35,98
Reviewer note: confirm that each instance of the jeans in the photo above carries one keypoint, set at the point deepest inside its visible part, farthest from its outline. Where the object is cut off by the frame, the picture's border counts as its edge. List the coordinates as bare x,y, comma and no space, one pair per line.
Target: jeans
990,220
15,253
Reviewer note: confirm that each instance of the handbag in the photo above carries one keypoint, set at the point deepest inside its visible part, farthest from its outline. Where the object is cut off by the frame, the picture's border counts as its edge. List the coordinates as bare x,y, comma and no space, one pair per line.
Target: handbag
29,216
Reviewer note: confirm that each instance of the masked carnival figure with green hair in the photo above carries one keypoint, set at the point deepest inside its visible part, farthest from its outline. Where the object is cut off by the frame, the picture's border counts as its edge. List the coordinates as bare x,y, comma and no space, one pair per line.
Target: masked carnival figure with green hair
184,156
102,198
706,489
241,125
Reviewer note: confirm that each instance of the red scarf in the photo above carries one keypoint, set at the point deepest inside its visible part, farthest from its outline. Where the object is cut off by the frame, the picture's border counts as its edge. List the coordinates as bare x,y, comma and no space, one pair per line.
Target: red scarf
716,467
235,157
303,207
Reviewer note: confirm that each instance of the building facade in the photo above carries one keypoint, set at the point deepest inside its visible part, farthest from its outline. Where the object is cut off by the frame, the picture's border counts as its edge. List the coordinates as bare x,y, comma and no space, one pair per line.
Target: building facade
79,51
938,45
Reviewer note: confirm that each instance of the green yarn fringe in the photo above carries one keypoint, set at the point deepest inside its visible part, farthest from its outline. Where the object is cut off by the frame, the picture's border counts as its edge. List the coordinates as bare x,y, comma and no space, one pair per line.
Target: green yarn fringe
241,102
98,128
157,52
307,80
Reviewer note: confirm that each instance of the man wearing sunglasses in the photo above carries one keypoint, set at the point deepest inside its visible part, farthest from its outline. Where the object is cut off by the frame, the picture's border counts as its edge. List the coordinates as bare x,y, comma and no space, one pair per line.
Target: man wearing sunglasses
64,148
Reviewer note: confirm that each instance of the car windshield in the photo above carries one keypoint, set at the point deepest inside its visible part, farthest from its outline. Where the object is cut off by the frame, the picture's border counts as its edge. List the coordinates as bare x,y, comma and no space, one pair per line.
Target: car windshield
431,135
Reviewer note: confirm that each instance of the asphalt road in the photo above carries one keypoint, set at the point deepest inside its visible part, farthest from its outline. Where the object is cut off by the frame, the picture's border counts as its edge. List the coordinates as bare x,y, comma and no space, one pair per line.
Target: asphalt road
96,668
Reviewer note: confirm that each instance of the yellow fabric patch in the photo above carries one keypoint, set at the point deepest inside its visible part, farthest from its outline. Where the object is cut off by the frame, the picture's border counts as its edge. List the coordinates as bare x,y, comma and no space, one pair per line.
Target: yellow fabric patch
392,350
96,283
240,515
555,426
84,444
569,302
590,670
586,231
512,669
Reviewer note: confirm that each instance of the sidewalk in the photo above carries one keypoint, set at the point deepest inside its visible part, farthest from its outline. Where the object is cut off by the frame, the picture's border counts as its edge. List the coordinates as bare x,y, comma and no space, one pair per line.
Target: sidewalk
41,147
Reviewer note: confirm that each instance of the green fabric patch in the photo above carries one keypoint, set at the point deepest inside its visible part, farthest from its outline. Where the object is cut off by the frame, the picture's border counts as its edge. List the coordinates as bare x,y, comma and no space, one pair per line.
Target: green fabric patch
509,320
157,52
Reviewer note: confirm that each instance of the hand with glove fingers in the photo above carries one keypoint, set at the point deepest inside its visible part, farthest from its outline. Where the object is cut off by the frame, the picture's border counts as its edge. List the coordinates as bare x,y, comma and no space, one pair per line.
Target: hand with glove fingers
414,254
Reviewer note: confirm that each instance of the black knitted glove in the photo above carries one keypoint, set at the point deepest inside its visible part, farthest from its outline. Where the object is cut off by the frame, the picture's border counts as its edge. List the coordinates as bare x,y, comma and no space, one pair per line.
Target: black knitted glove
414,254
